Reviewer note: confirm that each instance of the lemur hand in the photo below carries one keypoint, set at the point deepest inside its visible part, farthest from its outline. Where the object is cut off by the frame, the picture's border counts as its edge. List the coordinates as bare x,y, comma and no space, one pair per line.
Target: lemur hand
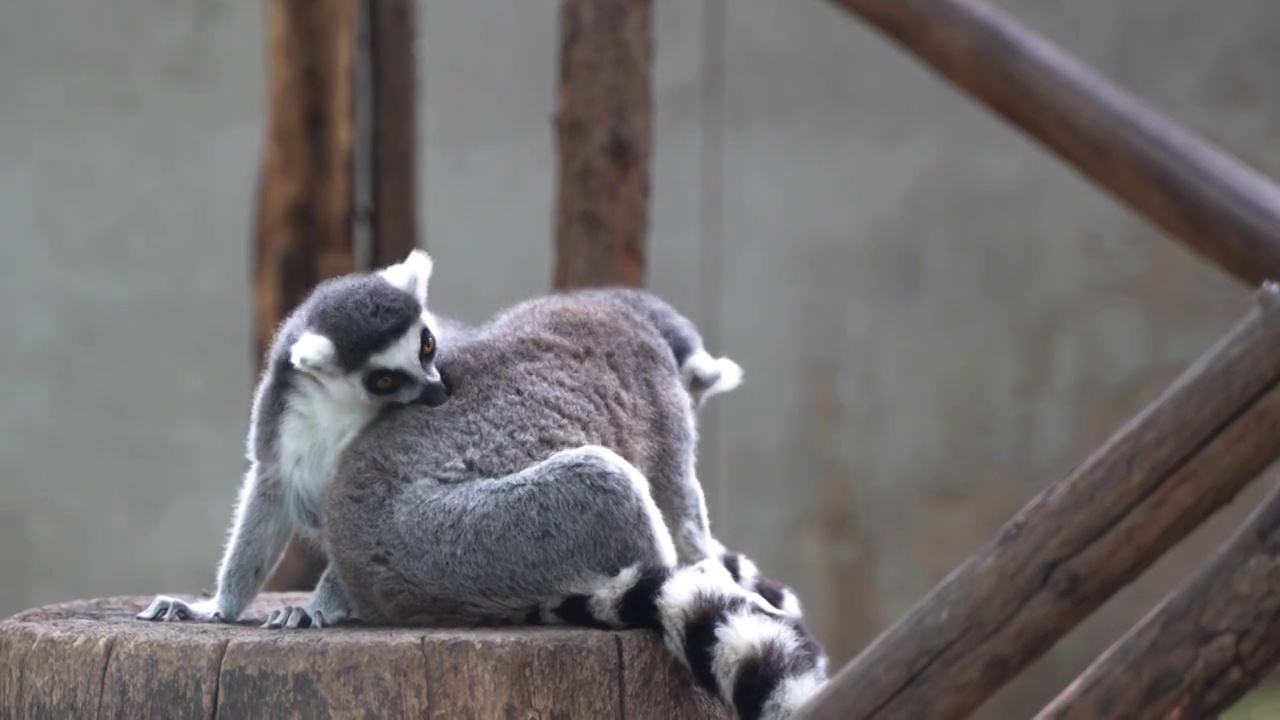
166,608
292,617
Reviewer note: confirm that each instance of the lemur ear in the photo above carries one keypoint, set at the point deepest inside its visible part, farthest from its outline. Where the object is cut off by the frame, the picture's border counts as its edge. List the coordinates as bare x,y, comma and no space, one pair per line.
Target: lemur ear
313,353
412,275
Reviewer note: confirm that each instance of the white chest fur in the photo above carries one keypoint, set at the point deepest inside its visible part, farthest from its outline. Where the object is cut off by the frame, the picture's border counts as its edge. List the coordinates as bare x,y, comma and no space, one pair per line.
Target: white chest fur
314,431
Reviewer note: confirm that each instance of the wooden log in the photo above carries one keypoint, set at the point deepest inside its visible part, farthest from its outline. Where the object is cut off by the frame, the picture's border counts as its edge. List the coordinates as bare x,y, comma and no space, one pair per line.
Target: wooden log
306,198
91,658
603,133
1211,202
1081,540
395,158
1203,647
306,189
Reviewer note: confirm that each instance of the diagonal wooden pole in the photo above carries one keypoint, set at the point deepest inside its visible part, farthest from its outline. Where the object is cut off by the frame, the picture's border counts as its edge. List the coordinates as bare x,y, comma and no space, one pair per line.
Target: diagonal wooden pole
1214,204
1203,647
1081,540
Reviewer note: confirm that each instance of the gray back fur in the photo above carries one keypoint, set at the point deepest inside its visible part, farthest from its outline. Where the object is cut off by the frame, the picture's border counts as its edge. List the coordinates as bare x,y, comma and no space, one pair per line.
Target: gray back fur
678,331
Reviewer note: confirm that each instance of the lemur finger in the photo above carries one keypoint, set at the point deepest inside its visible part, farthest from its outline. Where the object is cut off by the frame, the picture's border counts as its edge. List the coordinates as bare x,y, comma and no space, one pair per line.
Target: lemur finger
153,610
275,619
177,611
317,619
298,618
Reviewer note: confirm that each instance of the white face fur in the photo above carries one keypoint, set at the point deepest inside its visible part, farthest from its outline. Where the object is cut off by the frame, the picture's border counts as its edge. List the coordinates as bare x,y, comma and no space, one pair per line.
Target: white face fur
398,373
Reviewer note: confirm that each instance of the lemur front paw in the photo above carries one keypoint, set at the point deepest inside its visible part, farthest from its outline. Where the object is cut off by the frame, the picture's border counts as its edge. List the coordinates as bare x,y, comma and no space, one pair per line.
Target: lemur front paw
293,617
165,609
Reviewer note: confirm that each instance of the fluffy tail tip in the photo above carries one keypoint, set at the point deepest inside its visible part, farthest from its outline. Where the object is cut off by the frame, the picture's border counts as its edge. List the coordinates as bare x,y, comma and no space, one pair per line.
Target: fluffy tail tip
705,376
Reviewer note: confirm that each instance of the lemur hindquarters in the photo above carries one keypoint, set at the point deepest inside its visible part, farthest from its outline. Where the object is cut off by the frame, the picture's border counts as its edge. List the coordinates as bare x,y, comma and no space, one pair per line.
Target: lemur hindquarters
575,540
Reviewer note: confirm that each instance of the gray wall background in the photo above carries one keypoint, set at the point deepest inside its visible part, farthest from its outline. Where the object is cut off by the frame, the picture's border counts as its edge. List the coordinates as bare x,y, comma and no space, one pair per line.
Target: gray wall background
936,317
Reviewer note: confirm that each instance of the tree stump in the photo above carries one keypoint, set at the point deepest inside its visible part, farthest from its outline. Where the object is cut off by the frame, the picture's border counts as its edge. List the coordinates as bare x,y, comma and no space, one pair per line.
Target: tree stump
91,658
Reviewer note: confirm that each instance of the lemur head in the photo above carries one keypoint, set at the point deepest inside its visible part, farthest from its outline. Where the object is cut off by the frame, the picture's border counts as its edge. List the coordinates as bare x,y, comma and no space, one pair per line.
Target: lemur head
368,338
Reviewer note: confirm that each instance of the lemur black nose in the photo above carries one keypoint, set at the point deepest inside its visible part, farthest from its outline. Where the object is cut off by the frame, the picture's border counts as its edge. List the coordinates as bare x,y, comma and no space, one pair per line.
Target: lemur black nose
434,394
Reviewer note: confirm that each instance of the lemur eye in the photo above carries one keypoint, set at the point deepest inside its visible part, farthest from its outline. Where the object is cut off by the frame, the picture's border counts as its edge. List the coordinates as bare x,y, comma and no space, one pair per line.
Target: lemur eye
428,344
382,382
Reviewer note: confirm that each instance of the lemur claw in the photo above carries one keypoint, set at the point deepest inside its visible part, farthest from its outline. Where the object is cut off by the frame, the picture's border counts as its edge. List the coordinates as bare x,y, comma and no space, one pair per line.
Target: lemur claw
293,617
167,609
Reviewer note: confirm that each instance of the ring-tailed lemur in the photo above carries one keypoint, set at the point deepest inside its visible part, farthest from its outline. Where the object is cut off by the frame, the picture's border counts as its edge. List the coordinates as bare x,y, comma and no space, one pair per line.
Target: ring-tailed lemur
309,405
316,394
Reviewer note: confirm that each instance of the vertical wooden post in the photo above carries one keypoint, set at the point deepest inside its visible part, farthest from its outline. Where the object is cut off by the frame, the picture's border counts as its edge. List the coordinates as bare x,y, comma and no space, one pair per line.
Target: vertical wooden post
305,204
395,186
307,184
603,133
305,195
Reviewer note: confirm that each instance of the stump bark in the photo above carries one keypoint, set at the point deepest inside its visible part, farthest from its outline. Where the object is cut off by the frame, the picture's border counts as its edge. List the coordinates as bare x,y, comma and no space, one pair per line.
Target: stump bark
91,658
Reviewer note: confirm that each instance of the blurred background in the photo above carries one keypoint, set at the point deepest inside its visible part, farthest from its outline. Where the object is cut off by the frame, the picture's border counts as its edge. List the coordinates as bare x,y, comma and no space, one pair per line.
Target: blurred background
936,317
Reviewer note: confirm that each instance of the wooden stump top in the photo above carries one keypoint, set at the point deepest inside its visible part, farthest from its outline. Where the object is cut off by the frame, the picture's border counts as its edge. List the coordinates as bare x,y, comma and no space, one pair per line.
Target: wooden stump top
91,658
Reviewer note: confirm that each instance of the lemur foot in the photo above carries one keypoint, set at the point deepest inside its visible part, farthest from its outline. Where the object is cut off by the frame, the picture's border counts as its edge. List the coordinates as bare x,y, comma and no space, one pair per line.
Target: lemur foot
716,569
293,617
745,573
165,609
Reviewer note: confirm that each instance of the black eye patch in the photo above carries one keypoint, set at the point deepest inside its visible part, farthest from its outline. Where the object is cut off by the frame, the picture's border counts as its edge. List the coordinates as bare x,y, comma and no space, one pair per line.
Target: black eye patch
385,382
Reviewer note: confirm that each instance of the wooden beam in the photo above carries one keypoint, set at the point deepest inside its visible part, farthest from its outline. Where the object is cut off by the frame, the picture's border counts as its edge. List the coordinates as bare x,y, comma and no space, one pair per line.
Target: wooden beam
395,158
603,125
305,203
1211,202
1203,647
1081,540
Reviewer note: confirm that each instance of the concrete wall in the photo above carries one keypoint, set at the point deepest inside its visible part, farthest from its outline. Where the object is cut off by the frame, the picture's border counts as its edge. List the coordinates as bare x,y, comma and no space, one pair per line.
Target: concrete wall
936,317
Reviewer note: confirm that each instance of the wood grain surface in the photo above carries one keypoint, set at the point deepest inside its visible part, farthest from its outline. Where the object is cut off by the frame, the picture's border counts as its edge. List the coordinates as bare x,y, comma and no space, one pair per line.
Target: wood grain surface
93,659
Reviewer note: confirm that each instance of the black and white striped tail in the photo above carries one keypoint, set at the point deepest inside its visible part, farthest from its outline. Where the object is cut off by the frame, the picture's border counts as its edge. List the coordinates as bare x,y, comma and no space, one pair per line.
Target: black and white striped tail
741,648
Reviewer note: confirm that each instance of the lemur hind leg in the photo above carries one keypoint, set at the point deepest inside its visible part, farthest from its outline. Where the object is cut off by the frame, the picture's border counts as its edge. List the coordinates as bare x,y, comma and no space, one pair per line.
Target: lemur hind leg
575,539
679,495
493,547
684,504
670,463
